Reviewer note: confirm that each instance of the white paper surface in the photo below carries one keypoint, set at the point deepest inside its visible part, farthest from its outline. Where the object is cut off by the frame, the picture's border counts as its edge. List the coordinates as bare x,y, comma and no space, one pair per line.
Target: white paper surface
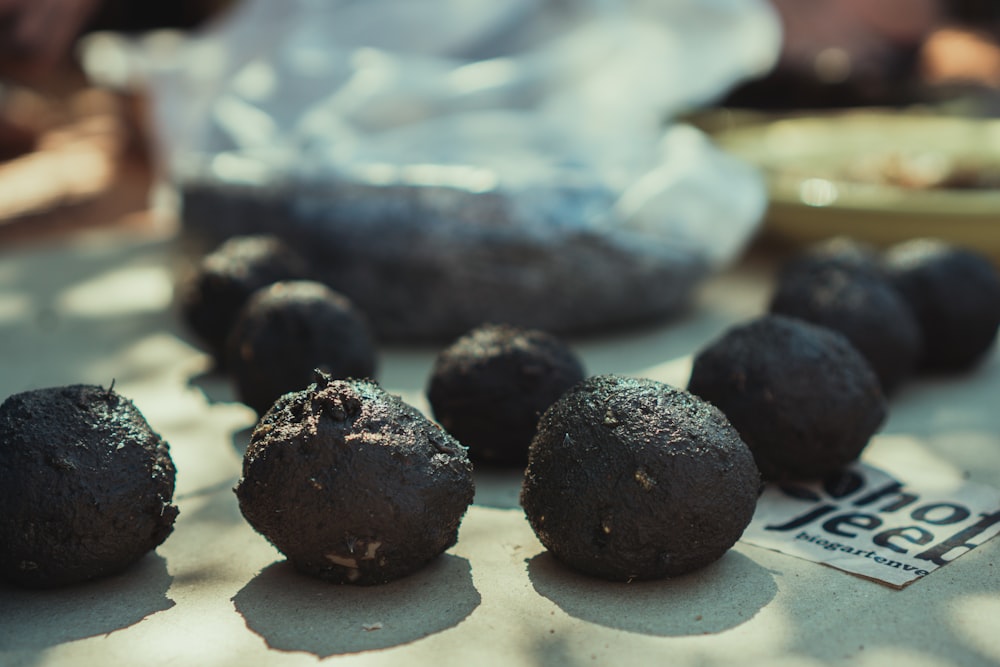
216,593
866,522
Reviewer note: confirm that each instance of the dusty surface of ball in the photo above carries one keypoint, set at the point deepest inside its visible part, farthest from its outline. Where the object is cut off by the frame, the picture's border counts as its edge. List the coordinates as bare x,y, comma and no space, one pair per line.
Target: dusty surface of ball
802,397
842,252
955,294
634,479
352,484
211,296
85,486
288,330
489,387
857,301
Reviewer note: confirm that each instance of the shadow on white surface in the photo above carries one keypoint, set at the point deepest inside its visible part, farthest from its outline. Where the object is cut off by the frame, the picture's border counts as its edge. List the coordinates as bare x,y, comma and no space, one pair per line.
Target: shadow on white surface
241,439
499,488
292,612
716,598
214,384
33,621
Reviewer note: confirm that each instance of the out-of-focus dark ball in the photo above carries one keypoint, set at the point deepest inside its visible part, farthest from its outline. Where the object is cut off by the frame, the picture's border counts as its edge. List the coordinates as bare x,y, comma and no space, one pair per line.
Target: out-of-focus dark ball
490,386
954,293
211,296
840,285
802,397
289,329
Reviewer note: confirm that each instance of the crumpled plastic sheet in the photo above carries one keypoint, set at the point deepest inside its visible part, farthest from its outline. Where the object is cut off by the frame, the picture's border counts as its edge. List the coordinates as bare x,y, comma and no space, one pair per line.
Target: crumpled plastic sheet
448,162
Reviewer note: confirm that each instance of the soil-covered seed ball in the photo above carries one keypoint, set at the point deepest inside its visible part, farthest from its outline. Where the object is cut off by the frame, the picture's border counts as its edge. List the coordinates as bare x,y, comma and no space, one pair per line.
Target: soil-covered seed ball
85,486
352,484
288,330
490,386
634,479
955,294
850,296
211,297
841,252
802,397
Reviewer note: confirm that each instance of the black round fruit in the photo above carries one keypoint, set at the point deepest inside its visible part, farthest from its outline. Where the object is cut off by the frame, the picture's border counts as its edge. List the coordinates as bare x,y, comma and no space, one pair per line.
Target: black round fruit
352,484
289,329
85,486
489,387
847,293
634,479
802,397
211,296
955,295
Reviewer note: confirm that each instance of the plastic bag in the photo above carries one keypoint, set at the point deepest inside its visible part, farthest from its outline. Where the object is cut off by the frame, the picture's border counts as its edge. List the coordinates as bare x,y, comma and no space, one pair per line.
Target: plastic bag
449,162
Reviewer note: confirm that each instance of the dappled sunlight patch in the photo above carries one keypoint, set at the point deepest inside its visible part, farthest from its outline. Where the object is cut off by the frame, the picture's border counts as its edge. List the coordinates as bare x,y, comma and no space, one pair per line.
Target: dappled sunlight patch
14,308
975,620
125,291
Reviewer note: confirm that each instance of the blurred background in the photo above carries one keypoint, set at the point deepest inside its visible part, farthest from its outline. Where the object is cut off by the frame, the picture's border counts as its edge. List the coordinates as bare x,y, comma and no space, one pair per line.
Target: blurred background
75,155
890,97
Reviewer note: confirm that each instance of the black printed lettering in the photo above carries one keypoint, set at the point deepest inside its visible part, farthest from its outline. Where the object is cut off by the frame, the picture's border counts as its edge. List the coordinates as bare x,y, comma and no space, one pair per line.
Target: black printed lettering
865,521
956,513
884,539
959,540
892,488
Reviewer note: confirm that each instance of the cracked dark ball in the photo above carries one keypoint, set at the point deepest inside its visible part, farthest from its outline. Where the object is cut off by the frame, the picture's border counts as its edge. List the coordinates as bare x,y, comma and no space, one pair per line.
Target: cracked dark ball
211,296
955,294
803,398
841,287
352,484
289,329
634,479
489,387
86,486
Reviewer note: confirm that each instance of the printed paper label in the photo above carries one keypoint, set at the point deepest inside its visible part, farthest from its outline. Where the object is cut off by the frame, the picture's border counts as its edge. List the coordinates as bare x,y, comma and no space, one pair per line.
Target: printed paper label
864,521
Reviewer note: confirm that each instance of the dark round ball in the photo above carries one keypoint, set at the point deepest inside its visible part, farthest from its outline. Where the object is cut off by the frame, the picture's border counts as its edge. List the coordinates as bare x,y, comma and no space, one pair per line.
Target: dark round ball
211,297
288,330
842,252
352,484
859,303
955,295
490,386
634,479
85,486
802,397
